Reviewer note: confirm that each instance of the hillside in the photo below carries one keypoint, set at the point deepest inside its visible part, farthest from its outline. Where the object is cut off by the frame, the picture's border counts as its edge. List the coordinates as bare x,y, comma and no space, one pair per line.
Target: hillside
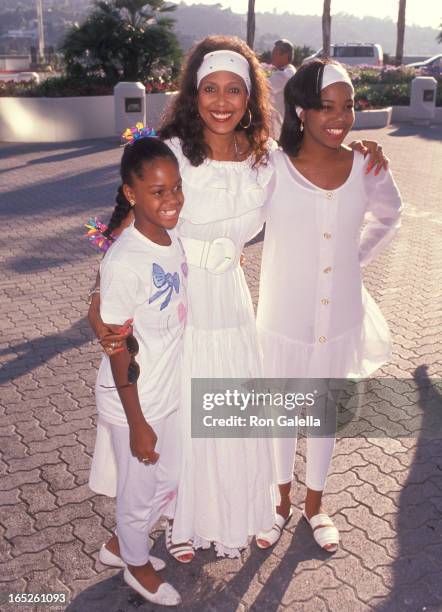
195,21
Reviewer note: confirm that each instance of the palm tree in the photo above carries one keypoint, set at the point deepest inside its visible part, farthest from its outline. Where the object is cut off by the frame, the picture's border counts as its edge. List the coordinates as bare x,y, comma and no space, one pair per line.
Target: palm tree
123,39
400,32
326,28
251,23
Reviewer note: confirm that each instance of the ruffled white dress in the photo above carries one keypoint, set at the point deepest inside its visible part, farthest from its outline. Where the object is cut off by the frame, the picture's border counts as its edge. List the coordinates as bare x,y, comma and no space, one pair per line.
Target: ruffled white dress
225,490
315,318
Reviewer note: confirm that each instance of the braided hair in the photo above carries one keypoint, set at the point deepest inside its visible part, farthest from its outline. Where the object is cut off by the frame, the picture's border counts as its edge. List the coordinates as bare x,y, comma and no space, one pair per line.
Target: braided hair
142,151
119,213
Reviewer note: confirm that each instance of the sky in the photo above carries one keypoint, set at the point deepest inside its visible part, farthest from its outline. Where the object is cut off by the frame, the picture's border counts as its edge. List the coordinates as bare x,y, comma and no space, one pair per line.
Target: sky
419,12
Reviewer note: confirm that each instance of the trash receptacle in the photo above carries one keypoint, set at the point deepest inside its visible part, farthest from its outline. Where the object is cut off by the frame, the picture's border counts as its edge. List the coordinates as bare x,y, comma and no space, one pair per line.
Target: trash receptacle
423,99
130,105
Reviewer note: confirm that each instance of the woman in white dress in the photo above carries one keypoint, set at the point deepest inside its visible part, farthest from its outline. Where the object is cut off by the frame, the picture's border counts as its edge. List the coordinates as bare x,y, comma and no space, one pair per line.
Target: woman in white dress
315,318
220,137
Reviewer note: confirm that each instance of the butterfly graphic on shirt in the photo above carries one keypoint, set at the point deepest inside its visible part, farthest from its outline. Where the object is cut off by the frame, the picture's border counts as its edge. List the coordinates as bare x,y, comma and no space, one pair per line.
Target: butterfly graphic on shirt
166,283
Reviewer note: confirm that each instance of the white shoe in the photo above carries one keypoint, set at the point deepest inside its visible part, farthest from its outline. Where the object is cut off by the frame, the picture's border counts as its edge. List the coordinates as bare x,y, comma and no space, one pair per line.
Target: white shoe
109,558
324,531
165,596
273,535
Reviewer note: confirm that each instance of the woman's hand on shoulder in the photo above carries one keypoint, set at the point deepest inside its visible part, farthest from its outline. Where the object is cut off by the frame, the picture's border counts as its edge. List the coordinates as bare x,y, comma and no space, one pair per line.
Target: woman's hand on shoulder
378,160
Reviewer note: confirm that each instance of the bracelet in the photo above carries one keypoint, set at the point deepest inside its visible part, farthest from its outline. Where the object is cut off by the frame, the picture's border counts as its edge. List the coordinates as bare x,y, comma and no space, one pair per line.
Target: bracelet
91,293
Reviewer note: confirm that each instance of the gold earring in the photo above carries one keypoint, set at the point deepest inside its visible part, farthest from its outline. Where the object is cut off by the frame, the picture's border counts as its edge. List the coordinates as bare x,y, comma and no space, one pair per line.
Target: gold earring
301,126
245,127
132,203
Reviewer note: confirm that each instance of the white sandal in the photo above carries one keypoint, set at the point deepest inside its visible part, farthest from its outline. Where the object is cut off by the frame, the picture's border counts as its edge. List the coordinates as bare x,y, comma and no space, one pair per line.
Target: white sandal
109,558
273,535
324,531
178,550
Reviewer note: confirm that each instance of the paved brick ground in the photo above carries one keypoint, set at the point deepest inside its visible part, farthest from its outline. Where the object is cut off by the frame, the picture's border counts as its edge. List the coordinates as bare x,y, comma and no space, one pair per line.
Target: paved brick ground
385,494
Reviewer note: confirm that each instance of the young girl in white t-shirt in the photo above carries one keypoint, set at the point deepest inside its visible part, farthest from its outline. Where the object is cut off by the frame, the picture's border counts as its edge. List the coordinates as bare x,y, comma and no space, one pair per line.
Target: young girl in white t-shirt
315,318
142,282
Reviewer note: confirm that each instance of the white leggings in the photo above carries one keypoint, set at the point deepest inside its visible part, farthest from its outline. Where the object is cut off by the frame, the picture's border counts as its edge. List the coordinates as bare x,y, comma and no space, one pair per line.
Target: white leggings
319,449
144,491
319,454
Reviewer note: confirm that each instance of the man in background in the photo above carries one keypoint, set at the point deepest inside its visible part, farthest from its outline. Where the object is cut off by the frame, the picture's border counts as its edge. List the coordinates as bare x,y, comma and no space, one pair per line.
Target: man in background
282,56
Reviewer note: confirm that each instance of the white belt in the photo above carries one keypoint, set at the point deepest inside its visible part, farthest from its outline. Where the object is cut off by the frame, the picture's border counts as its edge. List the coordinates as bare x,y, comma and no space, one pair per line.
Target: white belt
216,256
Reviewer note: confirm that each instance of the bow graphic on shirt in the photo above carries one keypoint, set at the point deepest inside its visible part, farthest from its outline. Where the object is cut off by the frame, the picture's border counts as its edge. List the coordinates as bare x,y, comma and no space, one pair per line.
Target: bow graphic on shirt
168,281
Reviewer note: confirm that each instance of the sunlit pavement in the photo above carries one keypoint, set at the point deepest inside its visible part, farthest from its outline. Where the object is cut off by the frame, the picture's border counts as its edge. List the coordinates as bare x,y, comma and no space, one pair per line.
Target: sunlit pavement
384,494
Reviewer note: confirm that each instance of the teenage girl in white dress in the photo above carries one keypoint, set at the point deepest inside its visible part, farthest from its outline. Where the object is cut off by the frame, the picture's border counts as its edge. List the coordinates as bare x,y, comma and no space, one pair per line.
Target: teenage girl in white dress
315,318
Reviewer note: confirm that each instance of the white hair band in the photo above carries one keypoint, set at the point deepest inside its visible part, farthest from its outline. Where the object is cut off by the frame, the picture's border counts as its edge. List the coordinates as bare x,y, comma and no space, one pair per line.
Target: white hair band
333,73
230,61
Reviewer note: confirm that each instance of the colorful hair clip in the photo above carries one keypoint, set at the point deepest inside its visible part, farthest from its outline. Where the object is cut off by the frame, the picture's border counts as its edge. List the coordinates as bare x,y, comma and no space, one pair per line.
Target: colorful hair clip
132,134
95,234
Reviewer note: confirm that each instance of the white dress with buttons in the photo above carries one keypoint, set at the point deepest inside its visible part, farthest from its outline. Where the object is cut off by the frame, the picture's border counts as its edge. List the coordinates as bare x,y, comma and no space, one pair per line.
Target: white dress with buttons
315,318
225,492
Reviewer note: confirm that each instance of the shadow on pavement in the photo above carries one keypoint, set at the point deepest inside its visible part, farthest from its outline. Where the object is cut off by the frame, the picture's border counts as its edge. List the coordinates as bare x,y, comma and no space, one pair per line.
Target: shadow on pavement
72,150
416,582
65,196
209,584
30,354
43,253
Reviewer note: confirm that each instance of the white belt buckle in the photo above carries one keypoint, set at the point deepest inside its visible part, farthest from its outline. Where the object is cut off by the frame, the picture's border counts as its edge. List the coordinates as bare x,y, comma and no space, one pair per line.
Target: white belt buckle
220,255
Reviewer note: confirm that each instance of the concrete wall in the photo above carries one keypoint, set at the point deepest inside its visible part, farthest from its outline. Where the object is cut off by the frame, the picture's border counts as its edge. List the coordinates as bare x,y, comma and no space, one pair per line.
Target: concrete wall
67,119
370,119
403,114
15,62
56,119
70,119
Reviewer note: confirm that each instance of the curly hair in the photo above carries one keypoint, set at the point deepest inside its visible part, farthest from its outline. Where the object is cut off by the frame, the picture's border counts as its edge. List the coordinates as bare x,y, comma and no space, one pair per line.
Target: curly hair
182,119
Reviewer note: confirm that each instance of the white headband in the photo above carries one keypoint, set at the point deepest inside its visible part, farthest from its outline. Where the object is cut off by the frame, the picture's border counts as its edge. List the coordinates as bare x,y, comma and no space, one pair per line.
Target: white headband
333,73
225,60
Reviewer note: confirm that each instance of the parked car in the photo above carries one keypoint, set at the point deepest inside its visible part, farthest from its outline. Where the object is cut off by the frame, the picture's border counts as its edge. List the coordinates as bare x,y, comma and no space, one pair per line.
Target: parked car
353,54
429,67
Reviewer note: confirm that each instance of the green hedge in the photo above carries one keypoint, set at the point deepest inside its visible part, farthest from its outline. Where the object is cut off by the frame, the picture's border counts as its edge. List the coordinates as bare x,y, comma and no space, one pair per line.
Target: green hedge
67,87
379,96
387,75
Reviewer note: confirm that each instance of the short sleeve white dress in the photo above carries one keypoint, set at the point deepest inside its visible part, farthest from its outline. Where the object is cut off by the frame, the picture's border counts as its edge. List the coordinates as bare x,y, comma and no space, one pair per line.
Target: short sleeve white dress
225,491
315,318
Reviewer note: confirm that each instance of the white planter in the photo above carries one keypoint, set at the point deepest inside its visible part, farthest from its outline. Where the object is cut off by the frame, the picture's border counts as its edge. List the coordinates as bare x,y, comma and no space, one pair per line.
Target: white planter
68,119
56,119
403,114
377,118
